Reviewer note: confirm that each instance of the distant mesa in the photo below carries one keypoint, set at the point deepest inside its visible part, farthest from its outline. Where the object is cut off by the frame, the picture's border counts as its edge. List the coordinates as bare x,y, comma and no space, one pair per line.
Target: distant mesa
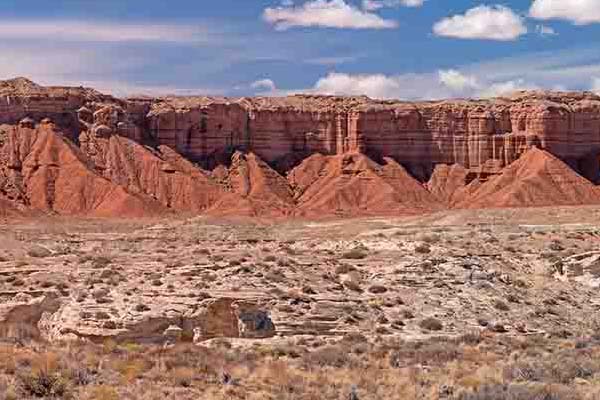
75,151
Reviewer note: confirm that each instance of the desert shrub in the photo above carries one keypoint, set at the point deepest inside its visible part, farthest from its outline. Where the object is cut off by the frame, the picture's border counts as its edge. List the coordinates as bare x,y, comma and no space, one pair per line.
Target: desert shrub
141,307
9,393
377,289
355,254
423,249
39,252
434,352
285,262
500,305
353,282
275,275
103,392
130,368
520,392
470,338
344,269
290,351
44,379
431,324
330,356
433,238
562,368
182,376
100,262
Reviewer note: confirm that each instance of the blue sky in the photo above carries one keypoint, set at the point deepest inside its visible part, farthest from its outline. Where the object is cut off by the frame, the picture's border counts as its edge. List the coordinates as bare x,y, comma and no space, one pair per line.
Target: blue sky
409,49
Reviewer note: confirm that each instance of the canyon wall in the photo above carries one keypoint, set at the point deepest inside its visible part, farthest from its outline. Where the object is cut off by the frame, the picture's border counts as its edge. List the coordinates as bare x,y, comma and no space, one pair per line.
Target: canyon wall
481,135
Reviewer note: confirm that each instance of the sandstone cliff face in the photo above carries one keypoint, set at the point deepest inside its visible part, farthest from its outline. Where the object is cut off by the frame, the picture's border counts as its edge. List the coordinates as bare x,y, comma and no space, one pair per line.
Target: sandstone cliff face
200,128
482,136
298,155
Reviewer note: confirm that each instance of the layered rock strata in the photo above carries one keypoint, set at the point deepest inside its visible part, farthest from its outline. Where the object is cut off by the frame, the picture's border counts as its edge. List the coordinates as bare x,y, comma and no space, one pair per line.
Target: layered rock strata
213,153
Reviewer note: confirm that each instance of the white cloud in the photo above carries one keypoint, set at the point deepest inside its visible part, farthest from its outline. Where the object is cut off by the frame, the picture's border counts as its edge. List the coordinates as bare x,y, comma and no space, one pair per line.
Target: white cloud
95,31
483,22
325,13
373,5
457,81
450,84
544,30
552,70
266,85
378,86
506,88
580,12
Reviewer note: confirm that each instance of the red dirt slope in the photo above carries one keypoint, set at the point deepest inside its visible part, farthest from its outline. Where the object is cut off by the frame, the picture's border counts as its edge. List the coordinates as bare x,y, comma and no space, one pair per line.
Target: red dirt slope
53,176
448,183
256,189
161,174
353,184
536,179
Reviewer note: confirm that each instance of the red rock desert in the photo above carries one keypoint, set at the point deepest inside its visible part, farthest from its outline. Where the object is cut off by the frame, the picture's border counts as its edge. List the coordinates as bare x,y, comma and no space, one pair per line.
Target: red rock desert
380,200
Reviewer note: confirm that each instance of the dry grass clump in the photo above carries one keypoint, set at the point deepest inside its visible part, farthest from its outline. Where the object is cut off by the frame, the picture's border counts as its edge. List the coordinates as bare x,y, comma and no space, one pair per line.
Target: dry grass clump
474,366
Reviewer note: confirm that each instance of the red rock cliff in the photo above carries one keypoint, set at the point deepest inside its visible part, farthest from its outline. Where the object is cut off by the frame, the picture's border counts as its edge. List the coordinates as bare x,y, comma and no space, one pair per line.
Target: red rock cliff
478,134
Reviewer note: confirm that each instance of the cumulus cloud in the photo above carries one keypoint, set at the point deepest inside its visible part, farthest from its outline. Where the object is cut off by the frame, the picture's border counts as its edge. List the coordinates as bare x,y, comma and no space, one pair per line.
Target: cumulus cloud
267,87
457,81
506,88
98,31
264,85
378,85
450,84
325,14
466,85
483,22
580,12
373,5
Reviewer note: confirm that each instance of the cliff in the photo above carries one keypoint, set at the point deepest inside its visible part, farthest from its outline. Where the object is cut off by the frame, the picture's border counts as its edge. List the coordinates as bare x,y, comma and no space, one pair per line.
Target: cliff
296,155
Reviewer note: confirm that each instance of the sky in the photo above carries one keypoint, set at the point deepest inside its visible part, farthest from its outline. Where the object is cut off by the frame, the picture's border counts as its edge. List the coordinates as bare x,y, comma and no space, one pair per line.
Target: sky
402,49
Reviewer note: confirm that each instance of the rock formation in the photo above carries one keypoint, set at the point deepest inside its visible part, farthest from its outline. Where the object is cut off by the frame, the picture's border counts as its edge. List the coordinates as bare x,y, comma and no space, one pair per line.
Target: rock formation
535,179
76,151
